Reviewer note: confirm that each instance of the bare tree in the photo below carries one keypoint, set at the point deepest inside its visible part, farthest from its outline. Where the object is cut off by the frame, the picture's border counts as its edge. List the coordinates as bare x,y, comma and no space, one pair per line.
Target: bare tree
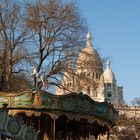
13,36
136,101
57,30
127,128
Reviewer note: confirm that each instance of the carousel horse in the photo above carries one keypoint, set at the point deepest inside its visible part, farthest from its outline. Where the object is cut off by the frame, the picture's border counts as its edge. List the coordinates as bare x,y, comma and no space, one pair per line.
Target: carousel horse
13,129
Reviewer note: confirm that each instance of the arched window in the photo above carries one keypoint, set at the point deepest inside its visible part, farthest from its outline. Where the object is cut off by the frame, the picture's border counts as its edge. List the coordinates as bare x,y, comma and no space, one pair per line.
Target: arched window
93,75
99,75
88,90
96,75
108,84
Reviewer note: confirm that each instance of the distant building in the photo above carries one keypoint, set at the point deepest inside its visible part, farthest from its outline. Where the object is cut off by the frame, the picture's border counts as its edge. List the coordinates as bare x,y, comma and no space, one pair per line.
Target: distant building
90,78
129,111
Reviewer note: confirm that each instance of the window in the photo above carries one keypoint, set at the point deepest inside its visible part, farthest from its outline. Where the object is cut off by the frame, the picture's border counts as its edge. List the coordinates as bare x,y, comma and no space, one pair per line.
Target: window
109,94
93,75
88,90
96,75
108,84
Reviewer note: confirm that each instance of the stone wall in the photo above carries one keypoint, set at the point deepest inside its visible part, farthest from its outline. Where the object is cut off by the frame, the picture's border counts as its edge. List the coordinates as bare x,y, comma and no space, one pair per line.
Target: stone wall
129,111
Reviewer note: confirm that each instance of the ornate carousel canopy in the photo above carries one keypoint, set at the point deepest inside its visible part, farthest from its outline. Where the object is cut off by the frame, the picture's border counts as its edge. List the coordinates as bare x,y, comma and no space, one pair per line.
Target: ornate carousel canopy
72,105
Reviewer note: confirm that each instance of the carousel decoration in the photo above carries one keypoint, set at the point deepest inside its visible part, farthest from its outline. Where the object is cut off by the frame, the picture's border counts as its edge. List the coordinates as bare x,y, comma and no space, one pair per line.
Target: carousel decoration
14,128
57,117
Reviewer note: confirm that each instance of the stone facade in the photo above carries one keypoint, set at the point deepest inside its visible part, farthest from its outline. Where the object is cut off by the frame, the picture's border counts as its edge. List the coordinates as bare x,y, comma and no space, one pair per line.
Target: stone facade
129,111
90,78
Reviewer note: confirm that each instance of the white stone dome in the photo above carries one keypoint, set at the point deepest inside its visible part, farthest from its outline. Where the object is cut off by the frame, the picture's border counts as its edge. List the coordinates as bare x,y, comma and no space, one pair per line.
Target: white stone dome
89,54
108,74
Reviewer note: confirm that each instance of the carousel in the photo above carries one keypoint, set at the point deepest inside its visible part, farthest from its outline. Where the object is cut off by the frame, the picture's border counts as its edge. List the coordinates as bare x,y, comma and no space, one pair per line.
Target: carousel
74,116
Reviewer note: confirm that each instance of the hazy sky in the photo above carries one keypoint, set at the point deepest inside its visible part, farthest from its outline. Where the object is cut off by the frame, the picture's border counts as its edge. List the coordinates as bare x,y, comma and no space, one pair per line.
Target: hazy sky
115,26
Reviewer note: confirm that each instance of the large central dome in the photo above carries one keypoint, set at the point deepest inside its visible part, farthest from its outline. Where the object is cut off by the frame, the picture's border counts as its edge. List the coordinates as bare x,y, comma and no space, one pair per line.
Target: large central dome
89,56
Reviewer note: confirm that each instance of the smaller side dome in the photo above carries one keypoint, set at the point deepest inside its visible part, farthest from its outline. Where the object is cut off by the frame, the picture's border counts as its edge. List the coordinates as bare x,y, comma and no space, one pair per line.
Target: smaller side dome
108,74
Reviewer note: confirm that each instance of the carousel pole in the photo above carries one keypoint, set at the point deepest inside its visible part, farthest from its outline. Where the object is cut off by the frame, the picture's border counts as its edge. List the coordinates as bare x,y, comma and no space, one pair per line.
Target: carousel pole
108,135
53,128
53,125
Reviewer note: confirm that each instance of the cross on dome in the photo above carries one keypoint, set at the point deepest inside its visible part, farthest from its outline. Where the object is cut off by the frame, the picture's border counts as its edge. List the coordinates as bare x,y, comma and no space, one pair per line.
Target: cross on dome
88,36
88,39
108,64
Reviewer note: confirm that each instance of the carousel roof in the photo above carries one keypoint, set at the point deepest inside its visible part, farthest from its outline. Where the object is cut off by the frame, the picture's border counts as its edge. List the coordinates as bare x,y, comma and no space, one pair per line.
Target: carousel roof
73,104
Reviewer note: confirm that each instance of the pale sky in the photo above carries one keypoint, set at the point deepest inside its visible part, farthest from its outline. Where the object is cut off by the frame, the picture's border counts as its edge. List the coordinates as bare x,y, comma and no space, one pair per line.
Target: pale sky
115,26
